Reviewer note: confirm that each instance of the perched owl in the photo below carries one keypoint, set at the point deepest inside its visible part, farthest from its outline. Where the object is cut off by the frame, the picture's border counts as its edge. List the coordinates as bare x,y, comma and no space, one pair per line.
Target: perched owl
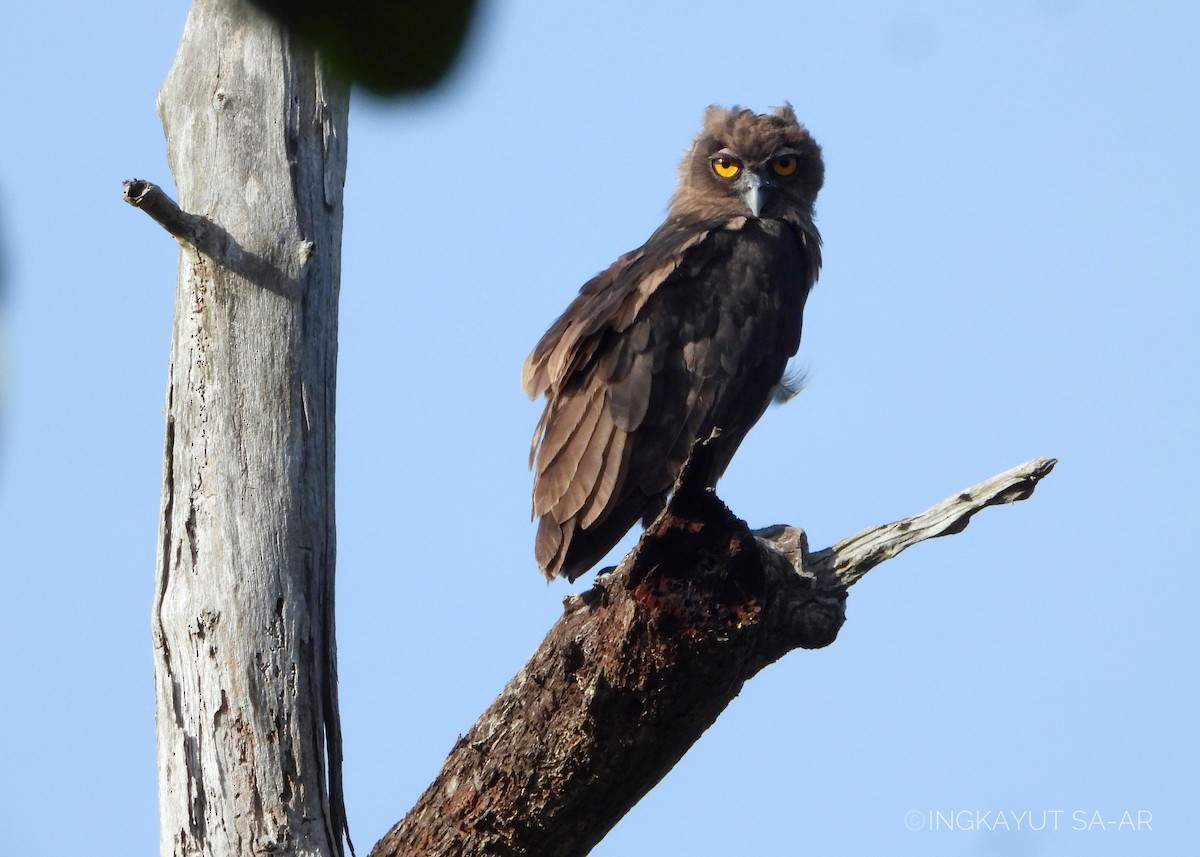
689,332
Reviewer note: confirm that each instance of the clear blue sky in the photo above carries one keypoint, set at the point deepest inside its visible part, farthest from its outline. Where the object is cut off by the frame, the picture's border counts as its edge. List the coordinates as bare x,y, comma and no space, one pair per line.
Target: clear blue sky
1010,222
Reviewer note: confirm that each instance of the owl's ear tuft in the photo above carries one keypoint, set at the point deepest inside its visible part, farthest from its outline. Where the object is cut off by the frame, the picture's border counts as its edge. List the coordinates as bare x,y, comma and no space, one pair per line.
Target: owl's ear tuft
785,112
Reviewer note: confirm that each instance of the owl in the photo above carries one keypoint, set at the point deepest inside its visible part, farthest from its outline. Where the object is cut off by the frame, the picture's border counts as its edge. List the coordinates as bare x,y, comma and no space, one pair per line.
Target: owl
688,333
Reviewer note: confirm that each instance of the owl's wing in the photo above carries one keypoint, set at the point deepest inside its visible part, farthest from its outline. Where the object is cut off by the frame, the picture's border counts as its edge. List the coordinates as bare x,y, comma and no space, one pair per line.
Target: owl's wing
610,301
596,367
673,338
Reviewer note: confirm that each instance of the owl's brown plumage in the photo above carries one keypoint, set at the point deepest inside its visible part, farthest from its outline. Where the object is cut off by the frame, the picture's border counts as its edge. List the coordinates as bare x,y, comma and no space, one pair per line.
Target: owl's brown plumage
689,332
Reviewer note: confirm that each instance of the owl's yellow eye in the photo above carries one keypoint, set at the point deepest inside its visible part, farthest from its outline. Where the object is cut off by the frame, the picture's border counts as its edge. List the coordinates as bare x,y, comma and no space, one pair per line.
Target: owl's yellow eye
726,167
784,165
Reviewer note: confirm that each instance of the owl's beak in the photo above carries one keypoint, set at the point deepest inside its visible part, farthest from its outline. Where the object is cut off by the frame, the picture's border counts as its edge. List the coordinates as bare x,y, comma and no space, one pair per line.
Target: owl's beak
754,193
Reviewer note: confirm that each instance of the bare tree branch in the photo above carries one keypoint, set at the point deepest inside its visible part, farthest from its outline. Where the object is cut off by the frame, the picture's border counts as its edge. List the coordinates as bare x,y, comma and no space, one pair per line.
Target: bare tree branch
153,200
640,666
845,562
204,236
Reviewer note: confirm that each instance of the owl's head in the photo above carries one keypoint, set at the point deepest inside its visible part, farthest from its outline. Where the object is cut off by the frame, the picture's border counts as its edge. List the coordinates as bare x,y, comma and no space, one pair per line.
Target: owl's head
751,164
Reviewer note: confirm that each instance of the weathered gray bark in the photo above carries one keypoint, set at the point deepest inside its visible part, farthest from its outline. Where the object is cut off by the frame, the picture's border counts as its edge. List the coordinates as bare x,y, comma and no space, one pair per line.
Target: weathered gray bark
249,743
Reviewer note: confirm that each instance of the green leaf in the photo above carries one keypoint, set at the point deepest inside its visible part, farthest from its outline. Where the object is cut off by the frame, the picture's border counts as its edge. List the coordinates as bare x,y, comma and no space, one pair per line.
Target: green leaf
388,46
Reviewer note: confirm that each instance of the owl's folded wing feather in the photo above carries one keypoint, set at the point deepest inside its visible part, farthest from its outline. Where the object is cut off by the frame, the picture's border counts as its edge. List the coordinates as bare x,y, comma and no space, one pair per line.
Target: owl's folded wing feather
597,366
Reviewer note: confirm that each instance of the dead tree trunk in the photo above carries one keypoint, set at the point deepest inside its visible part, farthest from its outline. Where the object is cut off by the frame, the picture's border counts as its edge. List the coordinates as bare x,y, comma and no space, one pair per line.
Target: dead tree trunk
249,743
